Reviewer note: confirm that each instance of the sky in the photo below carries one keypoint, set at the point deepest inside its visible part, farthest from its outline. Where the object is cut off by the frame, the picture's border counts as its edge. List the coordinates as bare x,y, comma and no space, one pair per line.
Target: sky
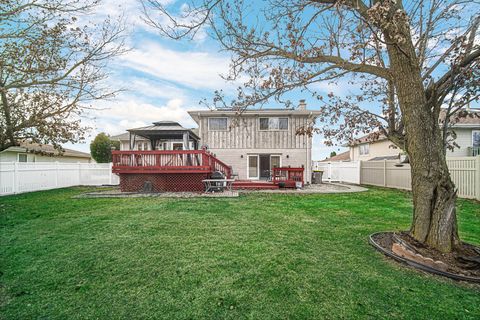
164,78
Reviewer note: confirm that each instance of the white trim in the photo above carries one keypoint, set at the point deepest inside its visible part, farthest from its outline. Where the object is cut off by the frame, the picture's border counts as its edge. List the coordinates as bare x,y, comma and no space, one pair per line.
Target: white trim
360,149
275,155
257,177
208,123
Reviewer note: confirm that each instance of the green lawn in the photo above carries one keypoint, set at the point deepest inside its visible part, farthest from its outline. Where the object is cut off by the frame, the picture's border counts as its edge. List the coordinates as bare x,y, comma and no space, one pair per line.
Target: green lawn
258,256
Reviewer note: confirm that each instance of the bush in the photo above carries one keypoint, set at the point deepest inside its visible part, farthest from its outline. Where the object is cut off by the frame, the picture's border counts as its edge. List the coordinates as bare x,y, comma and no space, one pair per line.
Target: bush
101,148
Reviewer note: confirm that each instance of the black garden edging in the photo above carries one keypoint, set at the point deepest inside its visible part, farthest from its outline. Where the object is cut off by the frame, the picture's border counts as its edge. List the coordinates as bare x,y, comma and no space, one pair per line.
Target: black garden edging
416,264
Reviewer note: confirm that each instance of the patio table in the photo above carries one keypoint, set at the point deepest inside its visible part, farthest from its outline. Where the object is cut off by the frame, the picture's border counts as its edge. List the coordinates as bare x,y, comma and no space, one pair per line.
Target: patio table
218,184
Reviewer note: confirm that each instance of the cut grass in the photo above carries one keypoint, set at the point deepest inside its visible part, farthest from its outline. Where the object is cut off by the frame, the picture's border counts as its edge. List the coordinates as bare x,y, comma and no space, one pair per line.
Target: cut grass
260,256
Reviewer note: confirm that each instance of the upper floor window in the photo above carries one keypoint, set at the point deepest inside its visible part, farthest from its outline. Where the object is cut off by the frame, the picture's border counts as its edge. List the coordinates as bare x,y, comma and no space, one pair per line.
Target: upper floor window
476,138
22,157
364,149
273,123
217,124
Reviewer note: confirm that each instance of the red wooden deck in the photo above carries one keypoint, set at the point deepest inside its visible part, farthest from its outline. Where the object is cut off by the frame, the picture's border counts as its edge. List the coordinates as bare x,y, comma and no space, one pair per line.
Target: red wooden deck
170,161
184,170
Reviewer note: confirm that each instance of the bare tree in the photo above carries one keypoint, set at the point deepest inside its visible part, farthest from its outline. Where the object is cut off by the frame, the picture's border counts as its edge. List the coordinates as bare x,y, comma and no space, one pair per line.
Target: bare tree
406,59
52,66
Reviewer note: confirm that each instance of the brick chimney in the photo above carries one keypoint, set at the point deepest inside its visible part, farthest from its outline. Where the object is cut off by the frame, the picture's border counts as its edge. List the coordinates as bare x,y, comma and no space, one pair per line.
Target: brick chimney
302,105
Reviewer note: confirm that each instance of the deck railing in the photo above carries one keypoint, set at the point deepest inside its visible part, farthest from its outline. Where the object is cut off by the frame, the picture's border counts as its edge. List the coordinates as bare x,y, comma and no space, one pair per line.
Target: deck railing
288,176
168,161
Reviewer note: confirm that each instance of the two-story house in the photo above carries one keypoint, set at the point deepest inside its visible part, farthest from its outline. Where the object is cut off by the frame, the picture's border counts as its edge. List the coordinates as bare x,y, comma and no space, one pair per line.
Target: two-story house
467,139
256,141
250,144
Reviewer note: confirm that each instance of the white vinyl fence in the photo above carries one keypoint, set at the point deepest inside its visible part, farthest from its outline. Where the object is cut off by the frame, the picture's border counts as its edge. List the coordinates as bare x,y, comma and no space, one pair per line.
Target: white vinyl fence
18,177
465,173
339,171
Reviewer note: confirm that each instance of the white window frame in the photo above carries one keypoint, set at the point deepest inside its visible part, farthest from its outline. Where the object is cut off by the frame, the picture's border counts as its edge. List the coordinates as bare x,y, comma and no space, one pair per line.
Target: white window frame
473,133
364,145
274,129
280,162
23,154
257,177
226,125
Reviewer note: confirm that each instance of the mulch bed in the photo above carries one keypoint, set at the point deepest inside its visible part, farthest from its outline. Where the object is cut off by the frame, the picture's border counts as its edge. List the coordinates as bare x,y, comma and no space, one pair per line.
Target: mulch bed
461,264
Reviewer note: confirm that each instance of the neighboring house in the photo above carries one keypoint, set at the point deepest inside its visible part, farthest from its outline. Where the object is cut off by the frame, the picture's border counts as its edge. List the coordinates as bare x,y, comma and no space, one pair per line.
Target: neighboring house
466,129
380,149
256,141
33,152
141,143
341,157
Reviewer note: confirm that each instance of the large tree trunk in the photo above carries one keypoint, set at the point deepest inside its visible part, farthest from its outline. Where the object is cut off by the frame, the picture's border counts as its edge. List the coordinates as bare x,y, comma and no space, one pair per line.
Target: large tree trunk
434,195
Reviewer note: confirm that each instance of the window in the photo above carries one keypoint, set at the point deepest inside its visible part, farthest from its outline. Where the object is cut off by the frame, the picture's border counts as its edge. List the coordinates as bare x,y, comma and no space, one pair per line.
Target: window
274,161
273,123
177,146
476,138
217,124
22,157
364,149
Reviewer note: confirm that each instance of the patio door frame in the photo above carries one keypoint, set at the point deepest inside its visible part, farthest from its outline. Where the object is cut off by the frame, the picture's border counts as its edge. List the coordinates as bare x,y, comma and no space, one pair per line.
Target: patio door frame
257,177
279,157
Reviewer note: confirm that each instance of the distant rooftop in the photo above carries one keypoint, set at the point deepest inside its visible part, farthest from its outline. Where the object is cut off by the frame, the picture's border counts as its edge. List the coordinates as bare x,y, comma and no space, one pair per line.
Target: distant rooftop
344,156
47,149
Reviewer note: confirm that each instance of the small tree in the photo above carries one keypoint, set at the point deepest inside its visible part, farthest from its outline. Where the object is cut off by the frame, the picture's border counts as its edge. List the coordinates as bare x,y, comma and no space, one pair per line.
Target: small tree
101,148
52,66
333,154
407,58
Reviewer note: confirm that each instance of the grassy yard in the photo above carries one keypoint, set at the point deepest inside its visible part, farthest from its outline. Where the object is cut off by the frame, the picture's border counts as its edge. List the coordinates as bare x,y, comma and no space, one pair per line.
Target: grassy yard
256,257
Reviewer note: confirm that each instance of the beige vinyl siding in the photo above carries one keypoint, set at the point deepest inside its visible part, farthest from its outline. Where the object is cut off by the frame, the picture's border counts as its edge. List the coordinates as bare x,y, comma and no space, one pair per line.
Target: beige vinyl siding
464,140
12,156
246,135
381,148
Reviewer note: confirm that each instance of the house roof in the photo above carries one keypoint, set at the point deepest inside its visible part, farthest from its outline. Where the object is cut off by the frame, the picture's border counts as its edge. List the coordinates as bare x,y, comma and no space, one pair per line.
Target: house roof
371,137
196,114
48,150
344,156
464,118
163,129
384,158
124,137
158,126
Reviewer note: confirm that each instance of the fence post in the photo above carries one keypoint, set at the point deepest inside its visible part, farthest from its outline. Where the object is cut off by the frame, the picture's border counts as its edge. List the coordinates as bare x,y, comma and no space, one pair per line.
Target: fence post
56,174
110,180
79,167
477,176
359,171
15,177
384,173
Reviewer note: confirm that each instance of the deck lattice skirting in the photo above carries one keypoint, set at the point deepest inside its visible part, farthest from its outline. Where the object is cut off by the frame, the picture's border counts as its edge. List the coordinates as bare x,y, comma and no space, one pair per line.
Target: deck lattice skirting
162,182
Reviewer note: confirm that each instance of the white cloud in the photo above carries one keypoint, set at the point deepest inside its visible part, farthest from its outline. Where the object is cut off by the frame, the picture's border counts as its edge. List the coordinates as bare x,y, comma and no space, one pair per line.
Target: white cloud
130,113
145,87
198,70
